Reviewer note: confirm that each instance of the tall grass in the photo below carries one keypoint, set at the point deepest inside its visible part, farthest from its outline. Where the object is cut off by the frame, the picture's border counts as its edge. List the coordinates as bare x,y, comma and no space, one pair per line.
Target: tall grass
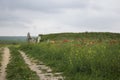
80,60
80,56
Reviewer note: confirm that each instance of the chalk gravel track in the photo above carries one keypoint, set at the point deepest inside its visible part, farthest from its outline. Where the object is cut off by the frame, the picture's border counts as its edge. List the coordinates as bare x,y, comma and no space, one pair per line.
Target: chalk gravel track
44,72
5,61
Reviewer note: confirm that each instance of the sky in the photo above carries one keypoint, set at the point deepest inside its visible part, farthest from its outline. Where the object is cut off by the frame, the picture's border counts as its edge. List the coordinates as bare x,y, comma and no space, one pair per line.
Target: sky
18,17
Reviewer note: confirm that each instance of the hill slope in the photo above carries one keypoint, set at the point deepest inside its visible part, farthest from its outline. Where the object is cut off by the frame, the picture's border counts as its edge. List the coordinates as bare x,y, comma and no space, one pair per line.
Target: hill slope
90,35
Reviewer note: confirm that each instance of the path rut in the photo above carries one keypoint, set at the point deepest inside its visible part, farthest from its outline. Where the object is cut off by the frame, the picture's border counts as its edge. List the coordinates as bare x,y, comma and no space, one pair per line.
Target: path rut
5,61
44,72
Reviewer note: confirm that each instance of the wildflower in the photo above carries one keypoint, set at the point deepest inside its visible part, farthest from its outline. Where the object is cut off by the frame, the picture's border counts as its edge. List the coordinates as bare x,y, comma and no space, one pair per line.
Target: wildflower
65,40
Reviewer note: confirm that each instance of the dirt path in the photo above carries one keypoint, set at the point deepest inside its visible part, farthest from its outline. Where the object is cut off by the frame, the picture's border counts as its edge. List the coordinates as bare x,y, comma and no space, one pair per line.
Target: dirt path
43,71
5,61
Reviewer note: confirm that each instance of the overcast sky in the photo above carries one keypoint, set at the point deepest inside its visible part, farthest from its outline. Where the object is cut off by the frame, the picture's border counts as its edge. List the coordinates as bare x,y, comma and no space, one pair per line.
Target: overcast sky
17,17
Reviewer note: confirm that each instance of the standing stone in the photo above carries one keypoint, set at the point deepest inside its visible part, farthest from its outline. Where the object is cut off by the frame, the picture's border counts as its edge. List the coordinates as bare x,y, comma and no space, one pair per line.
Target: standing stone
28,38
39,38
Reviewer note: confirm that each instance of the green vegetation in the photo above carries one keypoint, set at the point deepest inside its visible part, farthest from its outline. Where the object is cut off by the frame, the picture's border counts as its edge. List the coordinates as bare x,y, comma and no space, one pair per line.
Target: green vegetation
17,69
86,56
90,35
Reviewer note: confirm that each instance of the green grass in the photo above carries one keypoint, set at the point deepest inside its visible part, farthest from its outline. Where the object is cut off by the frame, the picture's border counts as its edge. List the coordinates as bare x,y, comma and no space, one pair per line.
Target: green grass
85,35
17,69
83,59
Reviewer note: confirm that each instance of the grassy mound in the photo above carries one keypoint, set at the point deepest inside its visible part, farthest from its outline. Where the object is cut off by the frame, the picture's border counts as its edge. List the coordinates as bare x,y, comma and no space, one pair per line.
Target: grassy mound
92,56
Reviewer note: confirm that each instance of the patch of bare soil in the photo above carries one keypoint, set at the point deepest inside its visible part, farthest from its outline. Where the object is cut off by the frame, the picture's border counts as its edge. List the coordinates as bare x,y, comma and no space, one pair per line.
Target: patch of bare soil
44,72
5,61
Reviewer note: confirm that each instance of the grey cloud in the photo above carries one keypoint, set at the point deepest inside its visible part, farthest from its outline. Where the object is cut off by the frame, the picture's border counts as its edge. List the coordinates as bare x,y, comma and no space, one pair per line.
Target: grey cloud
10,21
10,24
60,15
42,5
100,23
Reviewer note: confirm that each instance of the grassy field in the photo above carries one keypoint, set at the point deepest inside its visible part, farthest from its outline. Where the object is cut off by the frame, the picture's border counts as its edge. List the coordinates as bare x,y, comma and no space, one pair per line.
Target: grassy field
17,69
85,56
80,56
